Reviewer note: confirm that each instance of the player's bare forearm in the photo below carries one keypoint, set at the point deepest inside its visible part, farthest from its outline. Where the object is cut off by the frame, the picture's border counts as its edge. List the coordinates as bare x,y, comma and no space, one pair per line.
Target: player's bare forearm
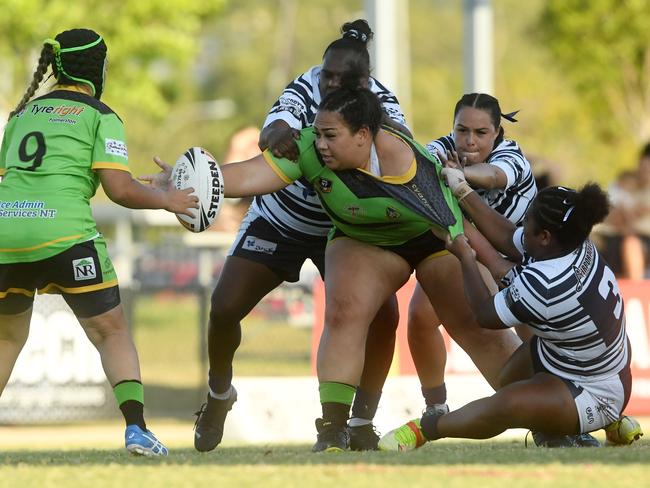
485,176
495,227
249,178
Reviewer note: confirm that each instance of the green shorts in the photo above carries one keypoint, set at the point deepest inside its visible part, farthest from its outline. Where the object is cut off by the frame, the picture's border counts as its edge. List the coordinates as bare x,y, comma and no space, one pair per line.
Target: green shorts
83,275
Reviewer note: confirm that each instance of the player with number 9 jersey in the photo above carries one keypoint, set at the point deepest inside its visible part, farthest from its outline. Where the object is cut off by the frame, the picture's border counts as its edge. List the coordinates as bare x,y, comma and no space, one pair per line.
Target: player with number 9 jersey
55,152
49,176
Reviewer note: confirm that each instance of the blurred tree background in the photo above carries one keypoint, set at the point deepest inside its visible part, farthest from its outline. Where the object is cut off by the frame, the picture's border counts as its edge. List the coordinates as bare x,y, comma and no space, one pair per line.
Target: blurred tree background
185,73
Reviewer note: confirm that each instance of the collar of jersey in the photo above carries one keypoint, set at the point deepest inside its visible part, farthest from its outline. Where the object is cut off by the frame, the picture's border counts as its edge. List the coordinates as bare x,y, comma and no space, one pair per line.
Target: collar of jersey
74,88
397,179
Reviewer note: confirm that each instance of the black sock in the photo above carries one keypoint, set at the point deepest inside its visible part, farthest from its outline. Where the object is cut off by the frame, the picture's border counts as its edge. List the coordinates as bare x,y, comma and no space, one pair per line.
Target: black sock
337,413
437,394
429,427
133,412
365,404
219,383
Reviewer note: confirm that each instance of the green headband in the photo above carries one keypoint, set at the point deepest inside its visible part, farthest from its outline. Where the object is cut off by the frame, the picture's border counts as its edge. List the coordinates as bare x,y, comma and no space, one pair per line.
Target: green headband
56,47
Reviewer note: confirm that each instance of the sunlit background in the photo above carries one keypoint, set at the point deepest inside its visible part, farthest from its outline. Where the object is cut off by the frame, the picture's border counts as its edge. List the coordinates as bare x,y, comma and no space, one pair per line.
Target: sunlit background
184,73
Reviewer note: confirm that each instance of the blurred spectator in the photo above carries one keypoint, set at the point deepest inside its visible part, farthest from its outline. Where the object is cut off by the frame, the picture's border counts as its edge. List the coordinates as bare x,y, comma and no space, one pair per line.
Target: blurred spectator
626,232
242,146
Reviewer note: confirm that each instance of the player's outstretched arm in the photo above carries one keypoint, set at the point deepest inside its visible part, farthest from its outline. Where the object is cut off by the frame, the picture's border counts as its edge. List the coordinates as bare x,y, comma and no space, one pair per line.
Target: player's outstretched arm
122,189
251,177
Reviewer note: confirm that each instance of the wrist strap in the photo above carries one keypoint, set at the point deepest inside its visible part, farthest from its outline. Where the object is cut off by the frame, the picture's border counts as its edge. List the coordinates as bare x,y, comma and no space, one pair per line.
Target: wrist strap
462,191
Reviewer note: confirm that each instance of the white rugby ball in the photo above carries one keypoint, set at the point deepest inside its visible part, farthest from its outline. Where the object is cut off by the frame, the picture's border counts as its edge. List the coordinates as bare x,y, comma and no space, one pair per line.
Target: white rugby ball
198,169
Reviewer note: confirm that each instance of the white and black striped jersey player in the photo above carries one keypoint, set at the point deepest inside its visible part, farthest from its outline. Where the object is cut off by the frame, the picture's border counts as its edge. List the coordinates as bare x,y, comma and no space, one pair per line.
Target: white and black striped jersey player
574,306
293,217
512,201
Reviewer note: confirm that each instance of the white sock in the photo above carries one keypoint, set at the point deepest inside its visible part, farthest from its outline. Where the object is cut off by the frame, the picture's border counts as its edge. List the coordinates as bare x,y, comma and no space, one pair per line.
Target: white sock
358,422
221,396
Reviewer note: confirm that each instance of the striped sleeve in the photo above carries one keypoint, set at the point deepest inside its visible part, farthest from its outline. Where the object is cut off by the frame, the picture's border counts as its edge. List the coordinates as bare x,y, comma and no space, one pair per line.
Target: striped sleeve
442,144
296,104
389,102
523,302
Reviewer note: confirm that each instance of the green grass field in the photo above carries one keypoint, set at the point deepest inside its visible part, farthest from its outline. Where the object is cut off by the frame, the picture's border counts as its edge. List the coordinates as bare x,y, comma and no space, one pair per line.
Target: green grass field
166,331
90,455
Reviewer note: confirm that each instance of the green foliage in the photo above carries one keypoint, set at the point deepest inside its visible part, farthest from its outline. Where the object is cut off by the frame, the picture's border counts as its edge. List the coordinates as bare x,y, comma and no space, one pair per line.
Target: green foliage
603,46
150,43
577,69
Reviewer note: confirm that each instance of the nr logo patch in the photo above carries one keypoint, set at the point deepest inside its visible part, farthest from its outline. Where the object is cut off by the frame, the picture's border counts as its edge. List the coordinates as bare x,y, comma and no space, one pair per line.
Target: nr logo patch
84,269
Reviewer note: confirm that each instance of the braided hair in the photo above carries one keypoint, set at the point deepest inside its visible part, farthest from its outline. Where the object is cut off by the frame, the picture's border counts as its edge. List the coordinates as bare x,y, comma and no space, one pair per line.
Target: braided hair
569,215
354,37
358,107
76,56
44,61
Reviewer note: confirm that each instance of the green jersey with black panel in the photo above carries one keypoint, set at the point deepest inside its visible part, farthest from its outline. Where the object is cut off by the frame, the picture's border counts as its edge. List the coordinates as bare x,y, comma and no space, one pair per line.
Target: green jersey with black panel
382,211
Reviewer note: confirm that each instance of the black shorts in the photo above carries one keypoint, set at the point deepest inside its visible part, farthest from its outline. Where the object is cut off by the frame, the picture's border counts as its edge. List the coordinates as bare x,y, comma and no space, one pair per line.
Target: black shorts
262,243
83,275
415,250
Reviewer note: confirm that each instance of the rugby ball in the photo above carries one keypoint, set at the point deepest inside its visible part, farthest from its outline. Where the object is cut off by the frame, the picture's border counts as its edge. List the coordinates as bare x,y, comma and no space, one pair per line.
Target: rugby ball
197,168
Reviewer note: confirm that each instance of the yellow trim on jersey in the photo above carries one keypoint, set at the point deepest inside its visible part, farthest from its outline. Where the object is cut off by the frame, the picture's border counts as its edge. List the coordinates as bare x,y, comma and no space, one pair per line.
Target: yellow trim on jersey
398,179
101,165
275,168
22,291
74,88
435,255
56,288
39,246
2,171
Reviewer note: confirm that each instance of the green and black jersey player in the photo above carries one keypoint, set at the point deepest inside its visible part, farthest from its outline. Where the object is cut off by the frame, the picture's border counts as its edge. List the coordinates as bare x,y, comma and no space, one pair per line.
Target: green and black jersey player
383,194
55,151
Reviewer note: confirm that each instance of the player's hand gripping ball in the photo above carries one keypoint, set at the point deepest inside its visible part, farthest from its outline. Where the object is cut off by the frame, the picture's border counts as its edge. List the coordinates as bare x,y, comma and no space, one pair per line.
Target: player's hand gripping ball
197,168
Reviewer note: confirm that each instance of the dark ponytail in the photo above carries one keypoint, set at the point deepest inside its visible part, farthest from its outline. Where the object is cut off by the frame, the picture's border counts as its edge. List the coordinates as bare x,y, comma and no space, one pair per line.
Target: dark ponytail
570,215
355,37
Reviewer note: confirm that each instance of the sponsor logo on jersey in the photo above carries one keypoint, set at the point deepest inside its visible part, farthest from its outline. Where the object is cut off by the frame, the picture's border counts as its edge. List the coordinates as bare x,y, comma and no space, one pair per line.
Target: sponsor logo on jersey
61,110
582,269
26,209
354,210
512,296
290,105
391,213
84,269
325,185
116,148
256,244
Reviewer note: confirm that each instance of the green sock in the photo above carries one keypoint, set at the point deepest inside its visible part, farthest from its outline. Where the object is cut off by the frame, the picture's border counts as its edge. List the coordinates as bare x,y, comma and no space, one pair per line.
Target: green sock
130,399
336,399
332,392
